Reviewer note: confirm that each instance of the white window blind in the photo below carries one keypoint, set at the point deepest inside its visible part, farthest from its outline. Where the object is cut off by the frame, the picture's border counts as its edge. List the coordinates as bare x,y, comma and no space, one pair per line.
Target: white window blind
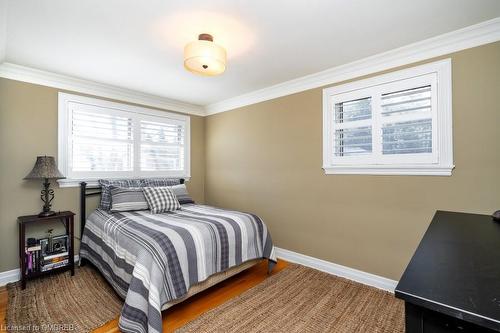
397,123
353,130
101,142
162,146
407,127
100,139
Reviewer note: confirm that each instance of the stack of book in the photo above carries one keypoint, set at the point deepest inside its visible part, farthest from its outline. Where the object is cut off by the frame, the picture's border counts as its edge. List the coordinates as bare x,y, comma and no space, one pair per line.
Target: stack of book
33,254
46,254
53,261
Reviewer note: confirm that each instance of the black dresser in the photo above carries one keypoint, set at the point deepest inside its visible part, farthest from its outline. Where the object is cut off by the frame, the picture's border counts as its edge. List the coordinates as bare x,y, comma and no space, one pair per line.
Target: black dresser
452,283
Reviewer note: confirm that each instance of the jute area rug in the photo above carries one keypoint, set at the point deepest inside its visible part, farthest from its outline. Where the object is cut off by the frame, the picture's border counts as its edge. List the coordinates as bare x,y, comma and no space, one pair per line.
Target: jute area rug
61,302
301,299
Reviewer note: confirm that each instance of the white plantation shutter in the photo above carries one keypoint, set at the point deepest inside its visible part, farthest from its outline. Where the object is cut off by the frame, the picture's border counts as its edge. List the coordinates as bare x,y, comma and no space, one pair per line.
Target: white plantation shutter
101,142
390,123
407,121
409,137
407,102
385,126
353,131
162,146
100,139
353,141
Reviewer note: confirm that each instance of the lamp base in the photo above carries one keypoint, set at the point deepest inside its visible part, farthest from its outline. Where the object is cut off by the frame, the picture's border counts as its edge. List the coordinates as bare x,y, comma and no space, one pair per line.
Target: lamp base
45,214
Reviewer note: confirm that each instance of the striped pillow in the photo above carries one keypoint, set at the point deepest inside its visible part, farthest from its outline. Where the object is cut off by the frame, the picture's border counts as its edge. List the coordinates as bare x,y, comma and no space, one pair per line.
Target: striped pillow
106,191
161,199
127,199
159,182
182,194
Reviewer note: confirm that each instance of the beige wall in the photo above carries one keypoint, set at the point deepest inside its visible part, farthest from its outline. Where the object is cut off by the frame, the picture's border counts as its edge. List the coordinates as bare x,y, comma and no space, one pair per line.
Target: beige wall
28,127
266,158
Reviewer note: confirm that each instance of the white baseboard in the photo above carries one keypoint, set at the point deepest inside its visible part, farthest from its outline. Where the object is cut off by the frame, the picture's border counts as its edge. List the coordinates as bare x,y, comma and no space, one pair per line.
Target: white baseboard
9,276
339,270
298,258
14,275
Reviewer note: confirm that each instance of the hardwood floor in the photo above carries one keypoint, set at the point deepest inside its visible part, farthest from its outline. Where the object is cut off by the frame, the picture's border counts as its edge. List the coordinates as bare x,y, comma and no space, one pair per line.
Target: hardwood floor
180,314
3,305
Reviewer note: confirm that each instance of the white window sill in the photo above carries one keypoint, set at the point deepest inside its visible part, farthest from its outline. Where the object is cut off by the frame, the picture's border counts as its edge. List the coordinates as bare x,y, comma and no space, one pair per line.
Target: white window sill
92,182
403,170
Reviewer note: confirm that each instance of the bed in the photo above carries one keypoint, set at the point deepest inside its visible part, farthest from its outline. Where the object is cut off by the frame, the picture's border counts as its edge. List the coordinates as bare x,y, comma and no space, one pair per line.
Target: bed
154,261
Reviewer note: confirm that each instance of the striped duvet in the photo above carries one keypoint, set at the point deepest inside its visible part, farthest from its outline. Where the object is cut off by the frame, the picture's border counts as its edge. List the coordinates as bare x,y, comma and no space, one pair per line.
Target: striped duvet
152,259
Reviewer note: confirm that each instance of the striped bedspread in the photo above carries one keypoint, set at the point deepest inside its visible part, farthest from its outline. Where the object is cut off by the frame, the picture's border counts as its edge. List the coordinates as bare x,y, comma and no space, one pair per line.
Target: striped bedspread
151,259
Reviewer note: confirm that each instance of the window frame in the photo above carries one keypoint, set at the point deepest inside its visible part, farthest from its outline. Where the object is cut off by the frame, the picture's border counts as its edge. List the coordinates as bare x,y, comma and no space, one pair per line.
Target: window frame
65,103
439,162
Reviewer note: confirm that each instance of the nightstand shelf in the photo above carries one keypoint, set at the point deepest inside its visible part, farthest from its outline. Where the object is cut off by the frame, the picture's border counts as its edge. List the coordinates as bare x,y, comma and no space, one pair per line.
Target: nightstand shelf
67,218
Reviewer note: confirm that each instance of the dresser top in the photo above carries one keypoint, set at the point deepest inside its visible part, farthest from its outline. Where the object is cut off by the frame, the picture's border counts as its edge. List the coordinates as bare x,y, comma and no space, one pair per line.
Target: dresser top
456,269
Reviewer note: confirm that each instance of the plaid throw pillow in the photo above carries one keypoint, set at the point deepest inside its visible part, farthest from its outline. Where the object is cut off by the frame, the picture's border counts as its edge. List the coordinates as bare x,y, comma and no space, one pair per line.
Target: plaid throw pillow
161,199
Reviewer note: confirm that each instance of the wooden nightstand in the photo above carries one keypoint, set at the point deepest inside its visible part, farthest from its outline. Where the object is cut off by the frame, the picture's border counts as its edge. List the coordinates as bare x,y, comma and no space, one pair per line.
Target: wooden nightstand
67,218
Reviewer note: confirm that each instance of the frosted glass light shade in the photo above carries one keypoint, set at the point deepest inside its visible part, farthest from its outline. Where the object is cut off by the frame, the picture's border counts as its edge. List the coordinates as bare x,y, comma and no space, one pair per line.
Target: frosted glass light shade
205,58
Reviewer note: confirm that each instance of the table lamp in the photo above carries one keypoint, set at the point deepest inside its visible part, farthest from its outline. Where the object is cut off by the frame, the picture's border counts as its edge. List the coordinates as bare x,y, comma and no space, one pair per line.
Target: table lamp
45,168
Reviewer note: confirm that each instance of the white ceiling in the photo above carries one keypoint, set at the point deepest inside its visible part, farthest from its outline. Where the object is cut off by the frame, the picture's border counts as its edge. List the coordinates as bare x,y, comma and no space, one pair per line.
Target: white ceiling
139,44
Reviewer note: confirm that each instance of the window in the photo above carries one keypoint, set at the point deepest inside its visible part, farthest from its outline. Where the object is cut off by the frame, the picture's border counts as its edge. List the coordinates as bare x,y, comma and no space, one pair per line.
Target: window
393,124
101,139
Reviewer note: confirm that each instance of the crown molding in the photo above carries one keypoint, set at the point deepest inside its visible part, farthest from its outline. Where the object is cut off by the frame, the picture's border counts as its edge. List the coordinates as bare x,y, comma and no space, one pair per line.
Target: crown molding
472,36
49,79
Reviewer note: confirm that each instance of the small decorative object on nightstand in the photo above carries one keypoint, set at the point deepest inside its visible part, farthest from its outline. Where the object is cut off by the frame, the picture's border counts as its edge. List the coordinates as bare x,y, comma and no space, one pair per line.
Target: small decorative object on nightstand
45,168
37,257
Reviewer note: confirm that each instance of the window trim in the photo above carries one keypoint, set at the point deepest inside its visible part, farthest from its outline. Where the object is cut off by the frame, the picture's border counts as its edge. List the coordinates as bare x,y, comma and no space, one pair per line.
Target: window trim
444,141
64,100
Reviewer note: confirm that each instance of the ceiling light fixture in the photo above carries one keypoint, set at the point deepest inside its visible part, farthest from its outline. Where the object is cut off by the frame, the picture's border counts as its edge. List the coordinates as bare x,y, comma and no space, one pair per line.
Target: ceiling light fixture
205,57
